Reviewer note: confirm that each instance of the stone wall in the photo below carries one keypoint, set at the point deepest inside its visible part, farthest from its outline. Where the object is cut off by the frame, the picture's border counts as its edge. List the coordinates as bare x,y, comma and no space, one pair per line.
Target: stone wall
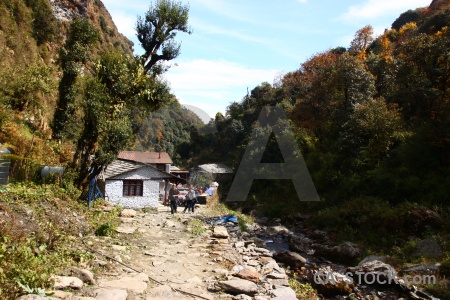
150,194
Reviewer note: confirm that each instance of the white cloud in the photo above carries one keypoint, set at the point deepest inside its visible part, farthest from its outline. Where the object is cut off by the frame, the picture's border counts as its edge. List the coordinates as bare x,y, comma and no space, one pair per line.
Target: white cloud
204,74
214,84
371,9
125,23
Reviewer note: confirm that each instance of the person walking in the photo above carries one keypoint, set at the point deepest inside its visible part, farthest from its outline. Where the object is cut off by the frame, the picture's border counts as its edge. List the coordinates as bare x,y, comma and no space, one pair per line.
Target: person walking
189,198
173,197
193,197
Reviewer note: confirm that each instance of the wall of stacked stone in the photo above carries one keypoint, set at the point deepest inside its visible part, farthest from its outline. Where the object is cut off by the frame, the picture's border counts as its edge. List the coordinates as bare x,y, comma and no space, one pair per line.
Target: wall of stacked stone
114,189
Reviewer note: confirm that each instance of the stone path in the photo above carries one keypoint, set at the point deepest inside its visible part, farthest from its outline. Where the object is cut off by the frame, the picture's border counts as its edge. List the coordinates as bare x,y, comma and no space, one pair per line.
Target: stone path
155,255
161,248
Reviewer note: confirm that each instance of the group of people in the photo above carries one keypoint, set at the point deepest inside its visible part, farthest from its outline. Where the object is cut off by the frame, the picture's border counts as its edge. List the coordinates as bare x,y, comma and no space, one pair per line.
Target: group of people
189,202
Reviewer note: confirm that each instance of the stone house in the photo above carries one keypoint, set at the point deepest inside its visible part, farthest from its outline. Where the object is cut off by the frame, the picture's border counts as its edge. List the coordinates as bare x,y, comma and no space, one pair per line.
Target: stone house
138,179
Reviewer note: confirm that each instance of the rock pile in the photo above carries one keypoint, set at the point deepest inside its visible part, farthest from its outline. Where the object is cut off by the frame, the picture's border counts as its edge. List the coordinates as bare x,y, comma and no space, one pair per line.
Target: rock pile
254,273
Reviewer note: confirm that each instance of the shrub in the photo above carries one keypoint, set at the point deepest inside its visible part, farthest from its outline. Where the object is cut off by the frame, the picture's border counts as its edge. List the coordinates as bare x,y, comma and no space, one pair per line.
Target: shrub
302,290
106,229
196,226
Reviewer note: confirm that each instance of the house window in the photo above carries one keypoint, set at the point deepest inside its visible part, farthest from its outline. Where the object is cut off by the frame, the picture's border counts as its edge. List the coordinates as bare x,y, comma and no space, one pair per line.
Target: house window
132,187
161,167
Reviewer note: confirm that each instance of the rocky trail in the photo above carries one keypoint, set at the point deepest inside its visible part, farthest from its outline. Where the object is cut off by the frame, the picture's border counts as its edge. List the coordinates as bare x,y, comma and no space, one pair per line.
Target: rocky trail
155,255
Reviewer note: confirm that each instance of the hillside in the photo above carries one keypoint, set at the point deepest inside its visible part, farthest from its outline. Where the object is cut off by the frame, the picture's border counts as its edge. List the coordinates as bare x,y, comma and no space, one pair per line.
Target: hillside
372,123
167,130
42,101
31,34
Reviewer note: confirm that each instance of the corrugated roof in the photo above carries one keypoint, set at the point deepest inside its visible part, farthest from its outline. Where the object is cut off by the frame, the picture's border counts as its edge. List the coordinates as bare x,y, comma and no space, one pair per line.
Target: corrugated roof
120,166
146,157
215,168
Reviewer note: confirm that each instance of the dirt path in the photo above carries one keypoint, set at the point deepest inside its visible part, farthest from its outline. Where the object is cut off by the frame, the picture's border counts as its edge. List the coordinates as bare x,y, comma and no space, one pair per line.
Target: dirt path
169,258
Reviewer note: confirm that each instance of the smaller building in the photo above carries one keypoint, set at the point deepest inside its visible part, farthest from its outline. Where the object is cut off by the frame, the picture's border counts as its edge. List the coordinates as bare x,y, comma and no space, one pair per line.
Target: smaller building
218,171
179,172
136,185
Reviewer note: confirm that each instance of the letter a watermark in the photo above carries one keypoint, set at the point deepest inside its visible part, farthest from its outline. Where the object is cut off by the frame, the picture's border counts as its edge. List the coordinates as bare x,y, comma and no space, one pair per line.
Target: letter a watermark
272,119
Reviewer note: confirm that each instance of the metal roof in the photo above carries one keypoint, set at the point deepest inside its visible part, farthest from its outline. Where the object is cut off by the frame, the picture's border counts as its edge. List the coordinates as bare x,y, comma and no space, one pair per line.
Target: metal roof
146,157
120,166
215,168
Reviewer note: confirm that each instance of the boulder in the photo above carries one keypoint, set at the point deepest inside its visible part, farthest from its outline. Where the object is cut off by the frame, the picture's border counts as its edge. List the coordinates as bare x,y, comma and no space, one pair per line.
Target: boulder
345,253
292,259
379,272
128,213
61,294
428,248
248,273
372,258
283,293
110,294
237,286
85,275
35,297
220,232
63,282
299,243
421,269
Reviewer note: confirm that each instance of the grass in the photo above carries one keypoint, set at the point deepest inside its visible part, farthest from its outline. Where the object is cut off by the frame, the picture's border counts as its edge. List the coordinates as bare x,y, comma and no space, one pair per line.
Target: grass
302,290
40,227
439,290
197,227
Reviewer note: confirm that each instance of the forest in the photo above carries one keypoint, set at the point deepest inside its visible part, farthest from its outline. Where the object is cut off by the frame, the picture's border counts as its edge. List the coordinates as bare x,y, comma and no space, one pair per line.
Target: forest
372,123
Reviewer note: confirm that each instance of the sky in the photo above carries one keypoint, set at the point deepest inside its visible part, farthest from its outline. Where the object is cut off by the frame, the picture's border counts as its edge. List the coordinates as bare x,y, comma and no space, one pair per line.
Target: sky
236,45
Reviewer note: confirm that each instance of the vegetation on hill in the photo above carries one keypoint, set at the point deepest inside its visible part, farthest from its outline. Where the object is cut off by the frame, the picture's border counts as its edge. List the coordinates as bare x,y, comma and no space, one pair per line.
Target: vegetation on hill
72,94
372,122
169,130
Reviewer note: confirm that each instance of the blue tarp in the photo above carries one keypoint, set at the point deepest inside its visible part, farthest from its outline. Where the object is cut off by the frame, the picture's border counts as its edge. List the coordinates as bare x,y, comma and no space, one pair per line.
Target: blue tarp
209,191
224,219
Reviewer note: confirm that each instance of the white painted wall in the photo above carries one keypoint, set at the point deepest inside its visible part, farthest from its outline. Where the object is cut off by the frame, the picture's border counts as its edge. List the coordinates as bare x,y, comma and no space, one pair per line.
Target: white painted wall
150,194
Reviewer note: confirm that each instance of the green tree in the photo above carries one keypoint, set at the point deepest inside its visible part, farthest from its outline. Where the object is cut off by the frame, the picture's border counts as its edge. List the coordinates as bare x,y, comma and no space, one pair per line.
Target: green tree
404,18
119,85
24,88
74,54
371,131
156,32
45,24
